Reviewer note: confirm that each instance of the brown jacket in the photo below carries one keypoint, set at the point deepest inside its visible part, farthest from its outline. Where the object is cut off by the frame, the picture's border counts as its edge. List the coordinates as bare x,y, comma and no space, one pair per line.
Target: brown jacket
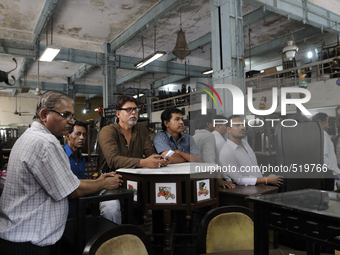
115,151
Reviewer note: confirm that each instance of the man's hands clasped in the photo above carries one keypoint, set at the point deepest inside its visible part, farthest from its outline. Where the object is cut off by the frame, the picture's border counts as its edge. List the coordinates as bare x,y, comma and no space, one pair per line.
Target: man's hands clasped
112,180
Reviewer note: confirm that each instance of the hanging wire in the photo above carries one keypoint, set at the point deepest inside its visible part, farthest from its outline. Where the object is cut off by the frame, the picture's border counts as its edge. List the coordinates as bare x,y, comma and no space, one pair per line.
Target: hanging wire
38,77
181,22
52,30
180,18
154,41
46,37
143,46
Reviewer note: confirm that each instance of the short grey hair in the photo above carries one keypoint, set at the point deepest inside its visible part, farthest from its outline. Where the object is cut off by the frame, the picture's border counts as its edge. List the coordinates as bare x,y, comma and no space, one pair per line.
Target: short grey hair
50,100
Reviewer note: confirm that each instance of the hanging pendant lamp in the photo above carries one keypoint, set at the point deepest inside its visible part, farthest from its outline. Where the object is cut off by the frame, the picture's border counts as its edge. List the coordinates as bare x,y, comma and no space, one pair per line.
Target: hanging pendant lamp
181,49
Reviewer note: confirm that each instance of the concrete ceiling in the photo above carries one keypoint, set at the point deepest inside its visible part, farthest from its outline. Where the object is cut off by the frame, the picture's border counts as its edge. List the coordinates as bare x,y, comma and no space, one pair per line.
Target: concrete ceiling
83,28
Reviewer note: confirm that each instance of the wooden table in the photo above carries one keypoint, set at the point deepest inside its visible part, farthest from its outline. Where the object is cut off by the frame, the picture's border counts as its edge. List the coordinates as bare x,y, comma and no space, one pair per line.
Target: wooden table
174,187
309,215
237,196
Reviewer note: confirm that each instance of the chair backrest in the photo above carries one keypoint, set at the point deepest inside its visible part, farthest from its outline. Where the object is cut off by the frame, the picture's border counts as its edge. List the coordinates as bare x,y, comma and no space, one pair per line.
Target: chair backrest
227,228
301,145
90,169
120,240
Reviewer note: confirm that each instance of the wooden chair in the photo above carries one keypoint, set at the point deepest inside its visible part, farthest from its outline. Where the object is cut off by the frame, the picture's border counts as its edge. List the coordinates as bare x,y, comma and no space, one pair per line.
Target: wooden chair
227,228
120,240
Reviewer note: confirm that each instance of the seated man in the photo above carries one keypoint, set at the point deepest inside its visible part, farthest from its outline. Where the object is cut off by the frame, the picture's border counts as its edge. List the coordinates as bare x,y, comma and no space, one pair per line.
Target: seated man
205,141
172,138
236,154
219,132
329,157
125,144
34,202
75,142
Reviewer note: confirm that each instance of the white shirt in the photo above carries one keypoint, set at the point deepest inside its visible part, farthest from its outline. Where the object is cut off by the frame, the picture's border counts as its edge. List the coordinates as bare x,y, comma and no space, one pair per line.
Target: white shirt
34,203
329,157
205,141
219,141
338,150
242,163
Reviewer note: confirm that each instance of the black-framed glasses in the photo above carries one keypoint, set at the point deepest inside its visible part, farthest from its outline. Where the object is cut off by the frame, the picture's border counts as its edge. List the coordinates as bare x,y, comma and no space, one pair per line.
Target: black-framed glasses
129,110
65,115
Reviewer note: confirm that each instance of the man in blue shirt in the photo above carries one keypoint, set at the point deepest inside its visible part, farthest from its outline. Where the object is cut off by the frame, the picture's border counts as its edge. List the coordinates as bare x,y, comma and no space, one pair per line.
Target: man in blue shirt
172,138
75,142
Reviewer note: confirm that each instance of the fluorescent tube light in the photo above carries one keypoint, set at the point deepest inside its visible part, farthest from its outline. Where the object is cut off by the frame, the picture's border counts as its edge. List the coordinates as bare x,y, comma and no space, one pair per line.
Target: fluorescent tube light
135,96
49,53
150,58
208,71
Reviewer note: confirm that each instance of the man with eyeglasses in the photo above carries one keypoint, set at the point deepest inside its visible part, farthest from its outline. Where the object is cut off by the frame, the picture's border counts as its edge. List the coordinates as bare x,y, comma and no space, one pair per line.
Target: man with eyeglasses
125,144
34,202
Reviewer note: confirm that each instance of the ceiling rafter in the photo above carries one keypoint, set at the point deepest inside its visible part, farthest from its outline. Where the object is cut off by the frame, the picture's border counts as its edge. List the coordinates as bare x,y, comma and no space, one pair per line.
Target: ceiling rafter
44,17
303,11
145,21
277,43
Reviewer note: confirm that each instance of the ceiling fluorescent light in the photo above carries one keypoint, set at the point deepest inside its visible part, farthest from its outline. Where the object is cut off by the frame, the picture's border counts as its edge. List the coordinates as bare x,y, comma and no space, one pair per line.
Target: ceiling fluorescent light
208,71
49,53
135,96
150,58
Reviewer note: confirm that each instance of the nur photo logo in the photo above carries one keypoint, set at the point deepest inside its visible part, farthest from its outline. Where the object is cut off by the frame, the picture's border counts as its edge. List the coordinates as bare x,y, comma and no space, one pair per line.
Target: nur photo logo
238,99
204,96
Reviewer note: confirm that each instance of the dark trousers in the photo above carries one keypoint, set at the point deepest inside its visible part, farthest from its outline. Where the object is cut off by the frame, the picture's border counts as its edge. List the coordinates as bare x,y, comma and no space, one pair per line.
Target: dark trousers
27,248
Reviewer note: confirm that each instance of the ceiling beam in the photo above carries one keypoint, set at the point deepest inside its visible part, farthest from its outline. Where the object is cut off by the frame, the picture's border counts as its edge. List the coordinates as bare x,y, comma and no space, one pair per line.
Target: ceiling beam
153,14
161,67
278,43
248,19
83,70
23,49
146,20
168,80
130,76
44,17
302,10
256,16
88,89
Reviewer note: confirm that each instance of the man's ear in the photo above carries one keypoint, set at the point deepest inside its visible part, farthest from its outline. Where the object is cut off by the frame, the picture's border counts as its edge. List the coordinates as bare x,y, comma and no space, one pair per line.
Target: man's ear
43,114
166,123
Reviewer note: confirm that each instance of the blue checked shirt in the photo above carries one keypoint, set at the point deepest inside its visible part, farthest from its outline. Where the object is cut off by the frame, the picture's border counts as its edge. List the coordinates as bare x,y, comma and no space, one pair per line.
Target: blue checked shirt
163,141
34,203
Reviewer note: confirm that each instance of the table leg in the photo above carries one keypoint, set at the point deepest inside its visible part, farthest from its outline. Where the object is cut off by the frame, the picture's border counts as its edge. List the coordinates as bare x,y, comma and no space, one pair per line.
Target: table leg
167,229
261,236
129,209
313,249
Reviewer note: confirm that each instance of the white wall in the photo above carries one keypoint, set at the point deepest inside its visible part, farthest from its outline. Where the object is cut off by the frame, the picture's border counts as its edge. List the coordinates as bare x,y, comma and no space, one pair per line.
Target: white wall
7,108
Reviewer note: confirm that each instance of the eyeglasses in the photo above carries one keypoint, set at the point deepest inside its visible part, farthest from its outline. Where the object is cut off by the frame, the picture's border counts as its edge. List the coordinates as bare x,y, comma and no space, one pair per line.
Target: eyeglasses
67,115
129,110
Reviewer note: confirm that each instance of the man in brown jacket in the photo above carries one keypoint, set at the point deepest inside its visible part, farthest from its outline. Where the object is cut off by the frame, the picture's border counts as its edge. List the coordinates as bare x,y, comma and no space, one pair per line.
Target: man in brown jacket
125,144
